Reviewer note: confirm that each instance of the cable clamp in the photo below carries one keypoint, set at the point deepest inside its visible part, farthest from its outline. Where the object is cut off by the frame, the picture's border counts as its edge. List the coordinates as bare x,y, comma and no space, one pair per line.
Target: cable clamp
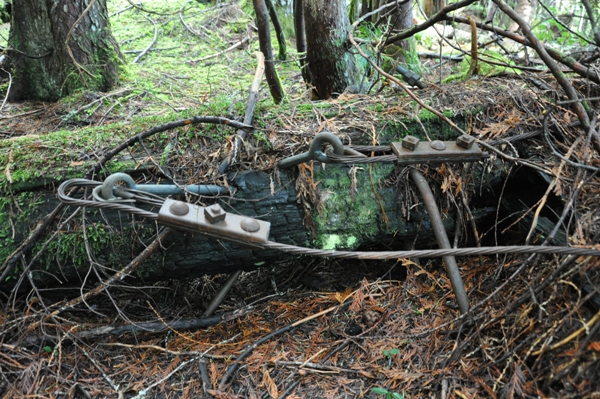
213,221
413,151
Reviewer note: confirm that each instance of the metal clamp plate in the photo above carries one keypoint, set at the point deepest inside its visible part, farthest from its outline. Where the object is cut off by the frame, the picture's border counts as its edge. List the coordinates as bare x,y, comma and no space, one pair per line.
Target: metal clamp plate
238,229
437,152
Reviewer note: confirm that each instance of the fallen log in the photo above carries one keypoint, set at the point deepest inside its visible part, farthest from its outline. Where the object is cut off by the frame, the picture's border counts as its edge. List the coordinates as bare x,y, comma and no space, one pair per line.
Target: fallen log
354,208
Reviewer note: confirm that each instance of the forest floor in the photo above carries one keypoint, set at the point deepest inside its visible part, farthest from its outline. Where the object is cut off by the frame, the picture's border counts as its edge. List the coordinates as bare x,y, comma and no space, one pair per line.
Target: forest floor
320,328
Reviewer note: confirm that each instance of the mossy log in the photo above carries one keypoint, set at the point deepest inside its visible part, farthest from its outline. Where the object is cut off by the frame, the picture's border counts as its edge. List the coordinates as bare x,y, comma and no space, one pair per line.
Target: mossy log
350,207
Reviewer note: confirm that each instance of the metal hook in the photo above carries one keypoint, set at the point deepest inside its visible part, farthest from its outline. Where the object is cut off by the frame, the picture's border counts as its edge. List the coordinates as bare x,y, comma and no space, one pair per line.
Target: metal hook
314,152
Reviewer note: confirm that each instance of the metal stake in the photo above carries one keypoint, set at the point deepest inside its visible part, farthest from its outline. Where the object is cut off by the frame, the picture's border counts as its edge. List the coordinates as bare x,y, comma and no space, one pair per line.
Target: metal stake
442,238
218,299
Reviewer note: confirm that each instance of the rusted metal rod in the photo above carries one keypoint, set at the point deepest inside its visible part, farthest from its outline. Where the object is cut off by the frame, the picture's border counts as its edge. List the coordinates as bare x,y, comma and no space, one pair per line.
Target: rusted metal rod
218,299
442,239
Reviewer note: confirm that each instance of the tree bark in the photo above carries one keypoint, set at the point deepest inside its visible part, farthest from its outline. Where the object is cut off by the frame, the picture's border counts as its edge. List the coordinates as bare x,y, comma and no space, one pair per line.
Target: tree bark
330,66
525,8
299,30
60,47
264,38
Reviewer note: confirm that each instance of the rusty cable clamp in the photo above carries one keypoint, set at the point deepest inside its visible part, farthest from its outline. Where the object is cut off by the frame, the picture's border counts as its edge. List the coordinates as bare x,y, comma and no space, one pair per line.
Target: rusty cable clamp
211,221
410,151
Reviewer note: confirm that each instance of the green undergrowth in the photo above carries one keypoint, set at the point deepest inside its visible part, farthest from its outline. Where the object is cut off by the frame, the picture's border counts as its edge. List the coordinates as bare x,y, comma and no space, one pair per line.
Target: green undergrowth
501,64
176,71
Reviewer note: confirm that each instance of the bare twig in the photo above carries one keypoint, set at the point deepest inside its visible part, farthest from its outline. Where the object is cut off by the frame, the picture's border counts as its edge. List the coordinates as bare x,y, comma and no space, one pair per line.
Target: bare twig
252,99
590,12
139,7
578,107
233,368
77,65
233,47
145,51
120,275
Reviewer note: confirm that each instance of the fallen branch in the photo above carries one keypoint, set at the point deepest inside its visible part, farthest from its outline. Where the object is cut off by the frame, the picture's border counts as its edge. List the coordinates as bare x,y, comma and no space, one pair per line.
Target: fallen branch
208,57
152,327
145,51
241,134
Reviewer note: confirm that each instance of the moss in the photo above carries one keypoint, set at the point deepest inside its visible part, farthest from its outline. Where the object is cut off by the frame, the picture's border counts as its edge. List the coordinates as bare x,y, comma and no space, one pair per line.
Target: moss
16,214
342,206
34,161
486,69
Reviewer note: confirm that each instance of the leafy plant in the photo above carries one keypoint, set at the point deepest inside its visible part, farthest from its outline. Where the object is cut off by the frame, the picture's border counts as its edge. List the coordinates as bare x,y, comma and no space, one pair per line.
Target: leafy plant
389,354
388,394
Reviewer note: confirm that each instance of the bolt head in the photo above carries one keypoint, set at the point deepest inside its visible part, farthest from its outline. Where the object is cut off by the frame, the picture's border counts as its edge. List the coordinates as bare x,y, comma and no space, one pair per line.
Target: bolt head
179,208
214,214
437,145
250,225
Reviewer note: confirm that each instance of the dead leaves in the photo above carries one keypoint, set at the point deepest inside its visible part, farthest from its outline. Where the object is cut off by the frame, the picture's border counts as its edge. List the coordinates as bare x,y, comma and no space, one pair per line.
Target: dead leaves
268,382
512,120
342,296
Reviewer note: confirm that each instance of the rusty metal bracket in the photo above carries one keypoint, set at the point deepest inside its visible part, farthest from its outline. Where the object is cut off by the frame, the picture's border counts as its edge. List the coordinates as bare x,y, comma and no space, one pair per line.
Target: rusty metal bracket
314,152
413,151
213,221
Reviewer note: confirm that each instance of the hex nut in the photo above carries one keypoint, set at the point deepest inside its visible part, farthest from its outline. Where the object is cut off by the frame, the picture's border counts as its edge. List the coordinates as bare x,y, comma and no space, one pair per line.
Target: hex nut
437,145
410,142
214,214
411,78
465,141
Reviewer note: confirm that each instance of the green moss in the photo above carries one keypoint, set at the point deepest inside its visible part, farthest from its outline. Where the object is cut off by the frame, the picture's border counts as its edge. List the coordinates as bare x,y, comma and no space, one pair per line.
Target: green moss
347,218
16,214
485,69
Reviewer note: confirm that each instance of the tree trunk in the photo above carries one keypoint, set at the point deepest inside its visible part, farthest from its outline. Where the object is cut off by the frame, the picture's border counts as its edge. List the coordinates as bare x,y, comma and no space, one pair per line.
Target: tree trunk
402,20
60,47
299,30
330,66
525,8
264,38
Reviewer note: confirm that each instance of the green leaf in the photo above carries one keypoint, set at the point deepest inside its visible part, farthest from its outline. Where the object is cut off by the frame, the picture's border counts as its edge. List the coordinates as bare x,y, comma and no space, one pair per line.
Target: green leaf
380,391
396,395
48,349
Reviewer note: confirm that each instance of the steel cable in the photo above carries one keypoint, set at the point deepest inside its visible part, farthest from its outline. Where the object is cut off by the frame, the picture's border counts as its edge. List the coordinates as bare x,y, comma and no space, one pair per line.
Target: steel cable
374,255
114,205
371,148
433,253
334,158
